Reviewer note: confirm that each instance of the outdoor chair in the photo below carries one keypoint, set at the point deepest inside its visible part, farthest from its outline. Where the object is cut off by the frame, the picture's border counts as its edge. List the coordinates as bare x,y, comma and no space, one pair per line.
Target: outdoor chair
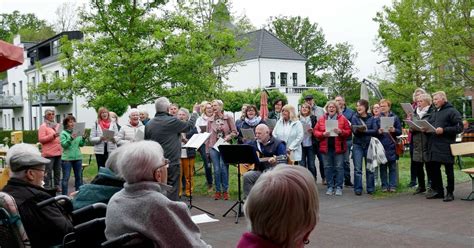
130,240
12,232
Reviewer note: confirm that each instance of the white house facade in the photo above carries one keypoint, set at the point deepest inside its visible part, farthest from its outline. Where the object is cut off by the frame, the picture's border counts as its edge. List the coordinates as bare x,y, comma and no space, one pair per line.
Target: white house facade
268,63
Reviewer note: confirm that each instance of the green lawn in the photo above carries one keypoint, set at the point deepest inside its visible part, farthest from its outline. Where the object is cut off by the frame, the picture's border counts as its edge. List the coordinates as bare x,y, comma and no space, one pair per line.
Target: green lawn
200,187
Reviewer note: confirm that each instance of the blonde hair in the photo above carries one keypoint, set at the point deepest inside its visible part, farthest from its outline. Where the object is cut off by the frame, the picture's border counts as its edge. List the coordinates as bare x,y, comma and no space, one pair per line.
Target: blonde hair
203,105
426,98
417,91
291,110
338,108
307,106
283,206
388,102
442,94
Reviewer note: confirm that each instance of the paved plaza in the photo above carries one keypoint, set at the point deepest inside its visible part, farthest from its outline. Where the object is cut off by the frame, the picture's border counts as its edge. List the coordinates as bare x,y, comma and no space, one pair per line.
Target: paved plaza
403,220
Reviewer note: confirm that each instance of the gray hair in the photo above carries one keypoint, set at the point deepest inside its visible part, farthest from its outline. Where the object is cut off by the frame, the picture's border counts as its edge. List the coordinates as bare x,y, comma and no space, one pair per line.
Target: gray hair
48,110
162,104
139,161
113,158
426,98
283,206
186,111
338,109
418,91
18,174
133,110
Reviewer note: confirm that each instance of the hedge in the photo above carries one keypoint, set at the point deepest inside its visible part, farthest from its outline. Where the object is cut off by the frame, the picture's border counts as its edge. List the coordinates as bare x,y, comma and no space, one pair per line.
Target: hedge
31,136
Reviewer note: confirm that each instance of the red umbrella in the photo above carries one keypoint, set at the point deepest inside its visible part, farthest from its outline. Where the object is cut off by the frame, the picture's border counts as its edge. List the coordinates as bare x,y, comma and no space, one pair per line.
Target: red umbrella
263,105
10,56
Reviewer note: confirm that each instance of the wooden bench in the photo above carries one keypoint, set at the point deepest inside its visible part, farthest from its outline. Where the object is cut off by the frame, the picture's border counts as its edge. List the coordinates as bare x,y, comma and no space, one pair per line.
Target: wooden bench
87,150
470,172
460,149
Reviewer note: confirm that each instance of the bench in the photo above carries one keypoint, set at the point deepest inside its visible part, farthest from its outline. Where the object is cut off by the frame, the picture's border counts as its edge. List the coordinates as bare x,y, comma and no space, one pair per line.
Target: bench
470,172
460,149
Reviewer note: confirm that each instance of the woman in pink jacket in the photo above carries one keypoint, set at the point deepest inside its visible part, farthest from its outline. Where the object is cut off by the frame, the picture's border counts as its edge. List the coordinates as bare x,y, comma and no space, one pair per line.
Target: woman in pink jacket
48,136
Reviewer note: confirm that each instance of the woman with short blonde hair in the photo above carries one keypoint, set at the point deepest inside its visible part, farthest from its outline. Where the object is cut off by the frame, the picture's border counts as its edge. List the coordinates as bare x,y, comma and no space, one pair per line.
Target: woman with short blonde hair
282,208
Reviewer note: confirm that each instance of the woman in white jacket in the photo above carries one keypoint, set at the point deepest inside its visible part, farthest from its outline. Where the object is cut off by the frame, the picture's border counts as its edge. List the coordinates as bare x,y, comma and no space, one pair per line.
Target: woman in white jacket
103,145
290,130
133,131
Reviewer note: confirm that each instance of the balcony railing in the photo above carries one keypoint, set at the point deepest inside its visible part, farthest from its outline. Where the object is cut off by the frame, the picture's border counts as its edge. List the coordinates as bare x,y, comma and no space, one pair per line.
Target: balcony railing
50,99
9,102
298,89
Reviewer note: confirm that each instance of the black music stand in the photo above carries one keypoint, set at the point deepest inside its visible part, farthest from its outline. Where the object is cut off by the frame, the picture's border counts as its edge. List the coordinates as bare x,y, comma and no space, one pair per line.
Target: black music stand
191,193
238,154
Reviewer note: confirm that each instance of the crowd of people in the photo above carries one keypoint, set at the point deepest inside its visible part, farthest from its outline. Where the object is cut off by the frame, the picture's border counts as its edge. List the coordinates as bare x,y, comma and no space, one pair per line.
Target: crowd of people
143,165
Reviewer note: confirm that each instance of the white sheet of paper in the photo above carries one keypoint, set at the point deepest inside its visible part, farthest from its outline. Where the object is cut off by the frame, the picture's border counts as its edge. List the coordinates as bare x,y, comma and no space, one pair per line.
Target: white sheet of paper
386,123
413,125
219,142
407,108
330,126
202,218
197,140
109,134
79,128
306,126
248,133
427,125
139,135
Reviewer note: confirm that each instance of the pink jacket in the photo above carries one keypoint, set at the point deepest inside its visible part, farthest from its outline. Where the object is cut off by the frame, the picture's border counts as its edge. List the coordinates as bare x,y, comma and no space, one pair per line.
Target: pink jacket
50,145
225,126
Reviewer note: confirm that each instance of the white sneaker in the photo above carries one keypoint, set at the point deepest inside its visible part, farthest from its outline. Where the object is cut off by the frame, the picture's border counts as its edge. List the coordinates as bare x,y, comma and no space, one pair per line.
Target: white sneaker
330,191
338,192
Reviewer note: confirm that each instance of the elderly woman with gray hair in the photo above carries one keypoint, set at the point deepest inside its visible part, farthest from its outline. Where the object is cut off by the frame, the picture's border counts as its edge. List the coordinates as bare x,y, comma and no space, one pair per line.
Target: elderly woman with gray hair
133,131
141,205
282,208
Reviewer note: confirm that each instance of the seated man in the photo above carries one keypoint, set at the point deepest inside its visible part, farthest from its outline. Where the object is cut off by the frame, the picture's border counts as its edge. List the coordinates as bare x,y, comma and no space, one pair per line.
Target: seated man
44,226
267,147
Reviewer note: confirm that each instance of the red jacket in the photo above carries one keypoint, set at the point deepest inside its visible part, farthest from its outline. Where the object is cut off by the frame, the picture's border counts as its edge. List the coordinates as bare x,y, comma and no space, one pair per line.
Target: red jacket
50,145
340,141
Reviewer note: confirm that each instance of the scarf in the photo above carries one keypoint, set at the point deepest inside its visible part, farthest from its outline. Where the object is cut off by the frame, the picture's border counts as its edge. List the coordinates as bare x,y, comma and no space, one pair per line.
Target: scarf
422,111
50,124
253,122
104,124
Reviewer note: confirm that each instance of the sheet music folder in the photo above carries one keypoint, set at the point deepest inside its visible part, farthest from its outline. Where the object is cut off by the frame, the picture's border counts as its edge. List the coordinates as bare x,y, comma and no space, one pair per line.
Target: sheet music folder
238,154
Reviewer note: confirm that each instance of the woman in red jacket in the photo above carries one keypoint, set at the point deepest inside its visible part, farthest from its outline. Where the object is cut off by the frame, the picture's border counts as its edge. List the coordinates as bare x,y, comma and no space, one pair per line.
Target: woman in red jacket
333,146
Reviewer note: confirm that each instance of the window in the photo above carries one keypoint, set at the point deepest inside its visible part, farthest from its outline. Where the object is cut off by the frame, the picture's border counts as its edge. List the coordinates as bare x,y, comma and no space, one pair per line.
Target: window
13,123
55,47
35,119
43,77
5,119
56,74
283,78
33,80
272,79
21,88
22,123
58,118
14,89
295,79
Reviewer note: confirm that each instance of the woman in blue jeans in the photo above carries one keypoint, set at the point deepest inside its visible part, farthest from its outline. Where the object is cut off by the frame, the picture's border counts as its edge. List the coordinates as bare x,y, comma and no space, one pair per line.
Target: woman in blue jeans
388,139
364,128
309,121
72,156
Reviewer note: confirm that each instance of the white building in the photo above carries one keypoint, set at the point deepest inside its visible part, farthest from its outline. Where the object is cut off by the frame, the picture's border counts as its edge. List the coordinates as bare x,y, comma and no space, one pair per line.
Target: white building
269,63
19,111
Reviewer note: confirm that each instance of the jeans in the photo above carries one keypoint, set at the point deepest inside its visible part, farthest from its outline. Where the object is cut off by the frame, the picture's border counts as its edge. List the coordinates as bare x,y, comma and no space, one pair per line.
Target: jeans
53,170
221,171
307,160
320,159
76,165
359,152
333,167
206,164
391,166
347,162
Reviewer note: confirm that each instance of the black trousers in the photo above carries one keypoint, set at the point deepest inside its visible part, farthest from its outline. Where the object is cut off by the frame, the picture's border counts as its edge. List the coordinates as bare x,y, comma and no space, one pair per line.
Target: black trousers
418,168
434,172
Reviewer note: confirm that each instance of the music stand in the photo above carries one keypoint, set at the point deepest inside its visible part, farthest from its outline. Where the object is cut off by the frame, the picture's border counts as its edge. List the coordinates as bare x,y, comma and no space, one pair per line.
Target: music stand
191,193
238,154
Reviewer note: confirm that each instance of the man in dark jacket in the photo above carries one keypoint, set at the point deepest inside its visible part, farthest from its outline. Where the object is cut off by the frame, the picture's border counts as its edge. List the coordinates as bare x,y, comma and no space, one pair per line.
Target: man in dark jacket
44,226
448,123
166,130
267,147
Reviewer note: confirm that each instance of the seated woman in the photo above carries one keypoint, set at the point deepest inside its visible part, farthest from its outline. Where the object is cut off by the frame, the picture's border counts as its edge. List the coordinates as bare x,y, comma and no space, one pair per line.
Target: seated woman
282,209
103,186
141,205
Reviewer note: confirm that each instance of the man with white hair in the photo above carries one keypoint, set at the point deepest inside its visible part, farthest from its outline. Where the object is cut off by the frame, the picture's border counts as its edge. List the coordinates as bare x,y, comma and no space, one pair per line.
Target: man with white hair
166,130
44,226
141,206
448,123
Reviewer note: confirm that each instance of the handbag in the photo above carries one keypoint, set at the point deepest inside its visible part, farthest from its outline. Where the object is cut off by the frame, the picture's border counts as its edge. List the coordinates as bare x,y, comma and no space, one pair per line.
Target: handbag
399,147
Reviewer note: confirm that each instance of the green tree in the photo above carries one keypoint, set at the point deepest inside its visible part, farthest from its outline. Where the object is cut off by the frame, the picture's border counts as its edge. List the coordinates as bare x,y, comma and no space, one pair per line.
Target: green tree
307,39
28,25
134,52
319,97
428,42
340,77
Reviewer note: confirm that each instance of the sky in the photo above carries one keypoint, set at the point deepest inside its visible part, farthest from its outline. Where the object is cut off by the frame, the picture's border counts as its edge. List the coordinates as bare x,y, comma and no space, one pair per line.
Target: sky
341,20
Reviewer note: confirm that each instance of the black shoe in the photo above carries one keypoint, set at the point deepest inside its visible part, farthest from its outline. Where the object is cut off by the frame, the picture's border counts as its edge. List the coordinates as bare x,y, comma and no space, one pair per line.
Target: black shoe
348,184
419,191
434,195
411,185
449,197
358,193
